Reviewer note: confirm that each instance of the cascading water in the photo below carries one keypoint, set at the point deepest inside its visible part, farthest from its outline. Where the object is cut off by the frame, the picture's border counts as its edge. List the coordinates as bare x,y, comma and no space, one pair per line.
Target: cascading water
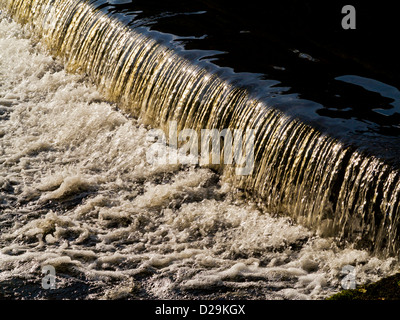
298,170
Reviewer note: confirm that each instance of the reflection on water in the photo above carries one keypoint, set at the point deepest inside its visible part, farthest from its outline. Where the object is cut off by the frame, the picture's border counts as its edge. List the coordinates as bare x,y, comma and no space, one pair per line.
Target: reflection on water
303,50
381,88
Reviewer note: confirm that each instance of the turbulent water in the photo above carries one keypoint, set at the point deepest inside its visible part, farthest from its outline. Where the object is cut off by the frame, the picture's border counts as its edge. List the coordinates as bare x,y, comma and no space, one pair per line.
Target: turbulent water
77,193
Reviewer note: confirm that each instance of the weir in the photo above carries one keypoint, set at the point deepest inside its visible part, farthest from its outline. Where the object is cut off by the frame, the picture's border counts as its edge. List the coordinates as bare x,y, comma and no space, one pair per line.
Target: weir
299,170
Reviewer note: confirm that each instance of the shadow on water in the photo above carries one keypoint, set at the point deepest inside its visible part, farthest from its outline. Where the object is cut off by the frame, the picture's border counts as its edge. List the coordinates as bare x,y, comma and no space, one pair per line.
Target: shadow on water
22,288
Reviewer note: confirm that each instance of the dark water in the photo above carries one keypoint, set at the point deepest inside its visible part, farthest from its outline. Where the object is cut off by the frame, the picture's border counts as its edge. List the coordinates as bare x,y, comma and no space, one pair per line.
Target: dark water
297,55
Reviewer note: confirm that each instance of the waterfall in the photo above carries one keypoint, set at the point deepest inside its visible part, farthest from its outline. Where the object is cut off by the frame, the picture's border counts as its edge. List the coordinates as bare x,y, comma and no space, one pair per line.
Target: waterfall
298,170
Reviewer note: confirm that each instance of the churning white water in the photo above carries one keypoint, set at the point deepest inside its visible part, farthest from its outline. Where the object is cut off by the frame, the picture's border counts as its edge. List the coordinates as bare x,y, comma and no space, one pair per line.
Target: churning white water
78,194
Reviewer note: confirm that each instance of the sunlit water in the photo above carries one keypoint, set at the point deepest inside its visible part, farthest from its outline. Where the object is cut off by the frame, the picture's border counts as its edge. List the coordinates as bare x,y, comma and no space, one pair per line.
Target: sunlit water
77,193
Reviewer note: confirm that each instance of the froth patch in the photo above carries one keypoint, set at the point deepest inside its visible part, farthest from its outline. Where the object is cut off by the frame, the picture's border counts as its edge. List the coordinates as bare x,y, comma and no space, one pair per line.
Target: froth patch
68,187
